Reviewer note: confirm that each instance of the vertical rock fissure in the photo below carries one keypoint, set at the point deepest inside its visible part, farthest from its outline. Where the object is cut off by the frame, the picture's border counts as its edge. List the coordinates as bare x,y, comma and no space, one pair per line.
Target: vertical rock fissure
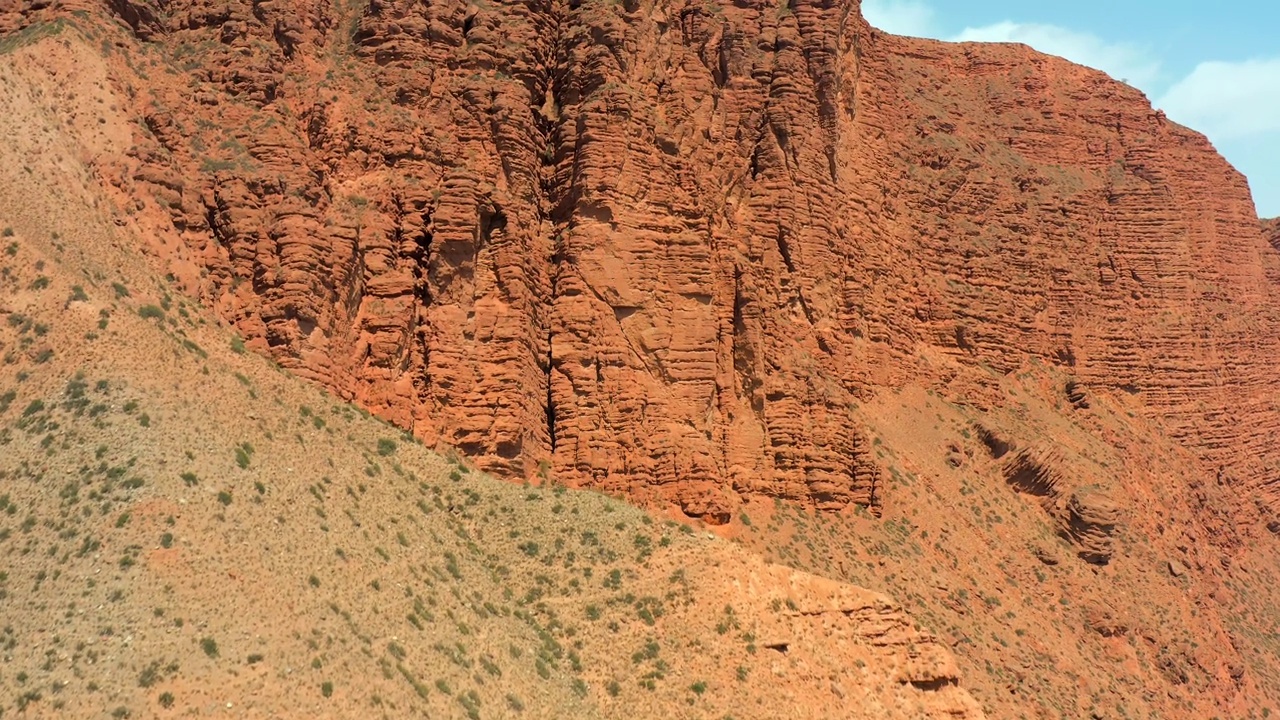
784,249
744,358
551,402
421,256
554,210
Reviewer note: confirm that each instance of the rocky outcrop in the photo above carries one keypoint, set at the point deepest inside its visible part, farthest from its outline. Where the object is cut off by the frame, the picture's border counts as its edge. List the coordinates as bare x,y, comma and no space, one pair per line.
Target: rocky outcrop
879,663
665,247
1271,231
1091,519
1084,512
1077,395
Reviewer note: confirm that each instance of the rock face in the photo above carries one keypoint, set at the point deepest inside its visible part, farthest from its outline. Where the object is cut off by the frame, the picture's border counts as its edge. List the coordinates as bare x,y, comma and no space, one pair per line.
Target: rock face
664,247
1084,512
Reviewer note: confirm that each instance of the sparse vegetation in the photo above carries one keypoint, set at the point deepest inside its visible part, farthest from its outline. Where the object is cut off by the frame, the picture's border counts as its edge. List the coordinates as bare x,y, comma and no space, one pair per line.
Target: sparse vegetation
243,455
209,646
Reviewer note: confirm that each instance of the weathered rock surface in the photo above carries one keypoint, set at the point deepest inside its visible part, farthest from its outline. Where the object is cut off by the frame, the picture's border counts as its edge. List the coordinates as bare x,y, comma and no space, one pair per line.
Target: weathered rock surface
880,664
1091,519
662,247
1084,512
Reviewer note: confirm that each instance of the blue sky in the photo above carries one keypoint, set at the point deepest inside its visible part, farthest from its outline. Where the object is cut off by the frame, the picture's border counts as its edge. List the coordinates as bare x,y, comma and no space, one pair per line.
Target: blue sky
1214,67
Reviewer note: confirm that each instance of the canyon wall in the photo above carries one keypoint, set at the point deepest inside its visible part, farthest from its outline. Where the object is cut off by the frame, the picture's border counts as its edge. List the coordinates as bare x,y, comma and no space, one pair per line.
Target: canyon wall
666,248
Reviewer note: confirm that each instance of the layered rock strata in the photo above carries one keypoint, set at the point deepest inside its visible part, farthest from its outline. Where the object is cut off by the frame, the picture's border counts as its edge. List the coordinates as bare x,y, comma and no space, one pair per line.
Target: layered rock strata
665,248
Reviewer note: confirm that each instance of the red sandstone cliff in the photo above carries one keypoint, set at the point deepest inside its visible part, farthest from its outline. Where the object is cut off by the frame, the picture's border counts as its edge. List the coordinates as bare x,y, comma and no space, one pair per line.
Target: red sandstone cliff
663,248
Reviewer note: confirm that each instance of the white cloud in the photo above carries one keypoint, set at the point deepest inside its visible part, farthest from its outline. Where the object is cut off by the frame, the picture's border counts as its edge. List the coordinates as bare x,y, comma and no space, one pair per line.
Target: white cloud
1228,100
1120,60
900,17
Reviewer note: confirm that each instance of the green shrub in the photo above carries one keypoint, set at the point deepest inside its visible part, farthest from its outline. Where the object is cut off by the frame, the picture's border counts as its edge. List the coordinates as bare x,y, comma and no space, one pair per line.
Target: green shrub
150,312
150,675
209,646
